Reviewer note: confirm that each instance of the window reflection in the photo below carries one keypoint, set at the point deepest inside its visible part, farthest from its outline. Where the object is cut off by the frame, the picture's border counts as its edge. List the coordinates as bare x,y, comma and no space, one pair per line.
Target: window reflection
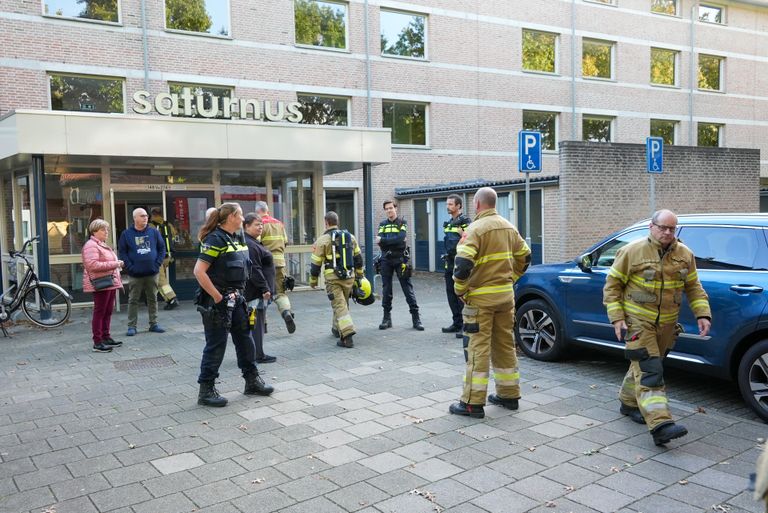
73,200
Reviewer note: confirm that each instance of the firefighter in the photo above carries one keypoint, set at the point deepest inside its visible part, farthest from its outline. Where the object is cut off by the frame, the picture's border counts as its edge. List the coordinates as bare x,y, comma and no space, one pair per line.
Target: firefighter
163,283
490,258
274,239
642,295
221,271
337,254
453,230
395,259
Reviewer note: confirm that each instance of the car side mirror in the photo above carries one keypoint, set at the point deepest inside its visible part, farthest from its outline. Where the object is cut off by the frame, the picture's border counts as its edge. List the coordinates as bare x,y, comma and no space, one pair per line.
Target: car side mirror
585,263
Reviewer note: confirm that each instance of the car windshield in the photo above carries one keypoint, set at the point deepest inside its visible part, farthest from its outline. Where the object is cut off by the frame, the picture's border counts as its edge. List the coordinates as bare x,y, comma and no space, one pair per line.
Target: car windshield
606,254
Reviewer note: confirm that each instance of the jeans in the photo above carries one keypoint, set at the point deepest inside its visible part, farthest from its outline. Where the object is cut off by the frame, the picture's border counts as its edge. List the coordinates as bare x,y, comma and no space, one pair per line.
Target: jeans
388,269
216,344
103,304
147,285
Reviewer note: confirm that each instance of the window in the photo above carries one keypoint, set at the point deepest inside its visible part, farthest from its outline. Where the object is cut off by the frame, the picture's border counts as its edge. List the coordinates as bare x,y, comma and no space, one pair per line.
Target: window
607,2
408,122
544,122
720,247
100,10
539,51
665,129
324,110
212,100
711,72
203,16
321,23
74,199
87,93
709,134
605,256
597,59
664,7
663,67
596,128
403,34
711,13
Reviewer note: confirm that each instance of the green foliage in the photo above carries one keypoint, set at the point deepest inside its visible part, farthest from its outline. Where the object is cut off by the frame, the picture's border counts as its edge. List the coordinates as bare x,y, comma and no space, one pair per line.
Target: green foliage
543,122
710,14
104,10
410,41
709,72
188,15
538,51
596,129
664,6
596,59
320,23
323,110
708,134
664,129
662,66
87,94
407,121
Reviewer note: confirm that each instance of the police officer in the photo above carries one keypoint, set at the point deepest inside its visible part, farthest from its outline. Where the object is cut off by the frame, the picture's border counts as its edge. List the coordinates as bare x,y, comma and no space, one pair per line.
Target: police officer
163,283
221,271
394,260
338,283
453,231
274,239
642,294
490,258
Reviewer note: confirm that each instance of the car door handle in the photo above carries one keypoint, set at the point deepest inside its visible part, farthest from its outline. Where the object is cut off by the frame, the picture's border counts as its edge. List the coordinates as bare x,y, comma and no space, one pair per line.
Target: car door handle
745,289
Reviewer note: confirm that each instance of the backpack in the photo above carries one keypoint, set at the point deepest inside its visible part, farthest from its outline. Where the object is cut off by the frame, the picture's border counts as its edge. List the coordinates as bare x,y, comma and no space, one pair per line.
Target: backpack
343,251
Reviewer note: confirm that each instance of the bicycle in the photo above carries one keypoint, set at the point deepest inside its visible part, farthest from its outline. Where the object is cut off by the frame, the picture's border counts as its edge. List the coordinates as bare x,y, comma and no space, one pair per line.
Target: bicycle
45,304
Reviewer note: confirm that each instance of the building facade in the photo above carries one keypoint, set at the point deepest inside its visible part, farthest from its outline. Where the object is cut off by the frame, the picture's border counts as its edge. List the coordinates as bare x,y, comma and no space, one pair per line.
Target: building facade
453,81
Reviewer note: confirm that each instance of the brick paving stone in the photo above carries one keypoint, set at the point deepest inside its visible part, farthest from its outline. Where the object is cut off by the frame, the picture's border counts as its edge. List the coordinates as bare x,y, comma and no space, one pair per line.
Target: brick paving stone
451,492
466,507
171,483
630,484
316,505
175,503
547,455
43,477
684,461
385,462
420,451
77,505
308,487
484,479
301,467
214,492
600,498
467,457
600,463
659,503
260,459
326,424
340,455
722,481
359,415
93,465
434,469
659,472
410,502
345,475
177,463
140,454
257,442
366,429
504,501
745,502
261,479
220,469
695,495
357,496
538,488
123,496
334,438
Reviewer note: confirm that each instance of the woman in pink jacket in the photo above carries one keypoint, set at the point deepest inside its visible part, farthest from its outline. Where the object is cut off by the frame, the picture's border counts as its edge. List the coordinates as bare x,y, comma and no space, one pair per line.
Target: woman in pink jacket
100,260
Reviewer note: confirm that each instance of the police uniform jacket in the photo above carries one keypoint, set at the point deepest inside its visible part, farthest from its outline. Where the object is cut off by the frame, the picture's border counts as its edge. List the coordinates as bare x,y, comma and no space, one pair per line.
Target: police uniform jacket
228,256
262,276
274,238
645,282
322,257
166,230
453,230
489,260
393,237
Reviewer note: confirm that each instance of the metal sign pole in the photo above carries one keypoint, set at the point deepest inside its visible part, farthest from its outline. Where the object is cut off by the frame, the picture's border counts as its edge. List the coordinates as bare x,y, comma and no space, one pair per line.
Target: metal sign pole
653,194
528,209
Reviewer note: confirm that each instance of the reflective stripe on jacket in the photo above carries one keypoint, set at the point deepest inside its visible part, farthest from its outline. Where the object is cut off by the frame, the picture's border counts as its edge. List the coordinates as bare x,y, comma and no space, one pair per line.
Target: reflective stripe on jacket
274,238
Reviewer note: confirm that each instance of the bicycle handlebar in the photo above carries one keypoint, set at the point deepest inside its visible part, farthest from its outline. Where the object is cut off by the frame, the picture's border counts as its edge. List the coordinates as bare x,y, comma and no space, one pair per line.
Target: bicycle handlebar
14,253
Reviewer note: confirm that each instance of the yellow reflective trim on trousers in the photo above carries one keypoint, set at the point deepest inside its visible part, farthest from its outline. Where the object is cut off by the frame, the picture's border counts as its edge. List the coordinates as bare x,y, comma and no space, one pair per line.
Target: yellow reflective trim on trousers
654,402
617,274
506,378
467,251
317,259
494,289
504,255
344,321
477,381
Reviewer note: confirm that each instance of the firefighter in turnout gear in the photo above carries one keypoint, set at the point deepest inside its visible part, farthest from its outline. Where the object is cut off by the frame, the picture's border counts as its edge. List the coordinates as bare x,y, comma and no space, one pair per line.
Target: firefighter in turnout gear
274,239
169,233
642,295
395,260
453,230
221,271
337,255
490,258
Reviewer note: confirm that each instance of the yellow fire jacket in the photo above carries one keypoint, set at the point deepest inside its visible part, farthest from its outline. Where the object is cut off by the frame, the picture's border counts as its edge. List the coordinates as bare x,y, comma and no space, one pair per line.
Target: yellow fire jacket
322,256
490,258
647,283
274,239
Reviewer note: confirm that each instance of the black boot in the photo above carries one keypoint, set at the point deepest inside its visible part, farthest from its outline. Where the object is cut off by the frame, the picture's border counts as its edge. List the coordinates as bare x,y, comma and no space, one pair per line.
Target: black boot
289,322
209,396
453,328
508,403
335,333
664,433
633,412
417,321
476,411
386,322
254,385
346,342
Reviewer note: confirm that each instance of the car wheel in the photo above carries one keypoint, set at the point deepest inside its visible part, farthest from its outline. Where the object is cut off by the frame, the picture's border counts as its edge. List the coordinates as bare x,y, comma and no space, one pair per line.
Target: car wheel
753,378
539,331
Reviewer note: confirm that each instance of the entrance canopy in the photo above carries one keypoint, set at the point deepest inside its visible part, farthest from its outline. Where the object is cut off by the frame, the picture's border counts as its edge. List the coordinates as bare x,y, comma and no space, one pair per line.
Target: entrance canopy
76,138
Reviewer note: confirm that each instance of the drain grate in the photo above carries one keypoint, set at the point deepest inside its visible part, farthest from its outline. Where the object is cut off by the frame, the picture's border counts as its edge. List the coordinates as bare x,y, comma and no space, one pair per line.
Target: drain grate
154,362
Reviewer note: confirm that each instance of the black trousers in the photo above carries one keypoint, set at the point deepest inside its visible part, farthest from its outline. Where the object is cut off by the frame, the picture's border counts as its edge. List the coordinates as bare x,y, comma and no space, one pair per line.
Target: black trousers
389,268
453,300
216,335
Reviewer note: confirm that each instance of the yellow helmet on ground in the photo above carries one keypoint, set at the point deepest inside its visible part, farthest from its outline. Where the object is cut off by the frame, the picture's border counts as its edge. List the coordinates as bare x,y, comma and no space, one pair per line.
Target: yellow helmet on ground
362,292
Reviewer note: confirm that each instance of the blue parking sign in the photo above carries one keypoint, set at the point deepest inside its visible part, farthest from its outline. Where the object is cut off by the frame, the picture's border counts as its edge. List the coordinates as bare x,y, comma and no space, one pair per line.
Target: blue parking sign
529,151
654,154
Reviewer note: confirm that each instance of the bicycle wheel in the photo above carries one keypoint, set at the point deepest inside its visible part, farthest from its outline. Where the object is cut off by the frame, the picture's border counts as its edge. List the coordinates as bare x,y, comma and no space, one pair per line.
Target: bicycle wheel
46,306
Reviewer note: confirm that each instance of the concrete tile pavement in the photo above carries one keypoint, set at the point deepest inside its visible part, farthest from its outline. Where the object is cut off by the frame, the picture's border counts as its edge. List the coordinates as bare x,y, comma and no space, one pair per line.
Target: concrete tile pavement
363,430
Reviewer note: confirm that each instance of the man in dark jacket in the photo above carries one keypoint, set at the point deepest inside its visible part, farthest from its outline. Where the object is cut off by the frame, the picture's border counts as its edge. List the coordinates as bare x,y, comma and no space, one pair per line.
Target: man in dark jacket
260,287
453,230
142,249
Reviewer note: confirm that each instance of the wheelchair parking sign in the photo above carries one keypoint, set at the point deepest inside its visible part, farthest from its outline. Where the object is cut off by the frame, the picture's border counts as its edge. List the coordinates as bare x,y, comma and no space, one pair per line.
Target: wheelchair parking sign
529,151
654,154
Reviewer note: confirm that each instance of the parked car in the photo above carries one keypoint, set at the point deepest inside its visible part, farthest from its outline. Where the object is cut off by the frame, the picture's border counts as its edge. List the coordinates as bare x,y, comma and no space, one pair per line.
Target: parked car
561,305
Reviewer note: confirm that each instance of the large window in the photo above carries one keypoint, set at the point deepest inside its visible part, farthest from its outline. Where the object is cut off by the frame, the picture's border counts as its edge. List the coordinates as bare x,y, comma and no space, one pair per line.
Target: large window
321,23
709,134
408,122
607,2
403,34
544,122
73,199
665,129
324,110
212,99
596,128
87,93
539,51
204,16
100,10
597,59
711,72
664,7
663,66
711,13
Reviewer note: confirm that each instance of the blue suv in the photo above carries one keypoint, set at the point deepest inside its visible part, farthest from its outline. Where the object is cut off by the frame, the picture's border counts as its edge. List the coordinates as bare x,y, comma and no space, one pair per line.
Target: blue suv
561,305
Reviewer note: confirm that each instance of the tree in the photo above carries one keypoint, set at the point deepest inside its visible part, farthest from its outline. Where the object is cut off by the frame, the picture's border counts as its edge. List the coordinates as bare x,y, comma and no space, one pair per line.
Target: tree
662,66
188,15
104,10
320,110
664,6
596,59
410,41
320,23
538,51
86,93
709,72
